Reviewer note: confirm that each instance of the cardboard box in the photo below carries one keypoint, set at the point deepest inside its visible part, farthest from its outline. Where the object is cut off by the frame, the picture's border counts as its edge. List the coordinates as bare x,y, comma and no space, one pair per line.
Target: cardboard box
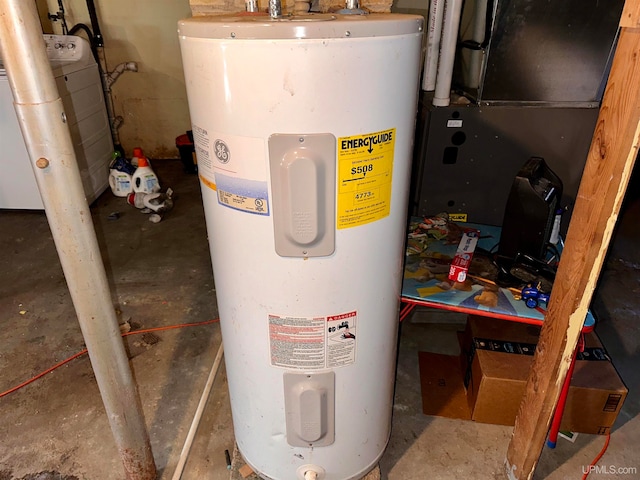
497,356
443,392
492,370
596,393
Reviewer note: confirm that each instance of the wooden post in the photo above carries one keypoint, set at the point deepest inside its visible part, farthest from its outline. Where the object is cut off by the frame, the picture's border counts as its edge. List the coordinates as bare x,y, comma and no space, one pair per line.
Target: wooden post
609,164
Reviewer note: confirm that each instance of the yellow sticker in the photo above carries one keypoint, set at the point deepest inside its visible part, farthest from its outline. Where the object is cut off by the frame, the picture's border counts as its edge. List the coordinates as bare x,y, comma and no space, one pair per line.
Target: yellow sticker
365,167
458,217
208,183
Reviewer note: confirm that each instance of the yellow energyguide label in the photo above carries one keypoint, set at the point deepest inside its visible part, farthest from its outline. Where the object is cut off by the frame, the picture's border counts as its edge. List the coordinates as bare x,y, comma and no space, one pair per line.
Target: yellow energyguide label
365,167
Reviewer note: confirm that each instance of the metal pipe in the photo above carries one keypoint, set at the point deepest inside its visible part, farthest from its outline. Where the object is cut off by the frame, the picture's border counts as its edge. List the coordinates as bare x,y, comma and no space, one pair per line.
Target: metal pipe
352,4
251,6
46,133
275,9
450,27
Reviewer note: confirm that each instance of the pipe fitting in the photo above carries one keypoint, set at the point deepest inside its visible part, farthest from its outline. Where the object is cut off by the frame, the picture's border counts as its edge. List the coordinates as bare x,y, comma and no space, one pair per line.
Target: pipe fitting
112,76
310,472
251,6
117,122
310,475
275,9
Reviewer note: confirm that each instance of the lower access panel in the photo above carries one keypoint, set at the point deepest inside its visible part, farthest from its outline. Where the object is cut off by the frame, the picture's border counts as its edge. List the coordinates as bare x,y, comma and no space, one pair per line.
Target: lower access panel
309,402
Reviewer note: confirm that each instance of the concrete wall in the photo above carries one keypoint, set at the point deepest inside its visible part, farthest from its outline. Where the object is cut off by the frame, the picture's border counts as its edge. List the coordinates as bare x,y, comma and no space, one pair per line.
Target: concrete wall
415,7
153,101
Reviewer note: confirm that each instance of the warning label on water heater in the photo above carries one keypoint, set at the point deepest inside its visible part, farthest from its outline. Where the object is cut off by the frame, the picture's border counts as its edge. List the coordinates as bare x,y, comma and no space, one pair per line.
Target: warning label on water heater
341,339
365,167
313,343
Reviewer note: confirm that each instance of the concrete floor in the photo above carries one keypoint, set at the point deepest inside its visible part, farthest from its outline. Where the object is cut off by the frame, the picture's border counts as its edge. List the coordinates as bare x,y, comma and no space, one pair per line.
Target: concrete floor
160,274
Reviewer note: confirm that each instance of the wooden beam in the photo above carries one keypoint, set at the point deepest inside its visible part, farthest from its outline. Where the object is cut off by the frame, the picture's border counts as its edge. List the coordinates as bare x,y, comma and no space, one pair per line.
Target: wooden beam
609,164
630,14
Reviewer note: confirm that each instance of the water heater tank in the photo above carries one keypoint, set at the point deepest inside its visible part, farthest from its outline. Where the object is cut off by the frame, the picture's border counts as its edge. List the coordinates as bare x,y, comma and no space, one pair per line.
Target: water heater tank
303,128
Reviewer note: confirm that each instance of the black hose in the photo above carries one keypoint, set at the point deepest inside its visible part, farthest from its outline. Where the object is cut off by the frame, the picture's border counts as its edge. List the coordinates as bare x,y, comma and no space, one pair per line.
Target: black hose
81,26
99,41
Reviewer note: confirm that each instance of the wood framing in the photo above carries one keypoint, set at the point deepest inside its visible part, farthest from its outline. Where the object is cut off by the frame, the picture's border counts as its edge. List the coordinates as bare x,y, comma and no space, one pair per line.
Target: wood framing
609,164
630,14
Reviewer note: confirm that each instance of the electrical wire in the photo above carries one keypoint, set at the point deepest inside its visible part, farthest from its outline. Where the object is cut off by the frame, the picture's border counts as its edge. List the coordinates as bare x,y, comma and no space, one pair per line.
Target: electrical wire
83,351
597,459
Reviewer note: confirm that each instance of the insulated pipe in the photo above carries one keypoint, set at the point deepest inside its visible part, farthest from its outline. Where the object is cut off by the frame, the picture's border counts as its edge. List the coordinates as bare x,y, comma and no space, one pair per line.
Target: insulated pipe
450,27
434,32
46,133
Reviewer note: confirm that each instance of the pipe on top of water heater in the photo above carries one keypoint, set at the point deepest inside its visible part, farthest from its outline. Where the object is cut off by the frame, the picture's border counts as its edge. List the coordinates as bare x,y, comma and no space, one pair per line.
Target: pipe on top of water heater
251,6
275,9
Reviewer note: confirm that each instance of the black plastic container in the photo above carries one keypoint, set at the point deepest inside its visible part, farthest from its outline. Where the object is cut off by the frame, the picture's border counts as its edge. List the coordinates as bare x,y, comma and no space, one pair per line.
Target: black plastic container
184,144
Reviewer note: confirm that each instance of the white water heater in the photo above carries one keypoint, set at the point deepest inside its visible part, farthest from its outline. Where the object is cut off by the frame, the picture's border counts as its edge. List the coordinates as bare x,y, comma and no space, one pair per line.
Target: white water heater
303,129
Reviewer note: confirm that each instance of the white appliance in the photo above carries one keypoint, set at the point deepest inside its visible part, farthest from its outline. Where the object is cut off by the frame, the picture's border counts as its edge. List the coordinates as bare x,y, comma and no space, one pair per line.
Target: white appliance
303,130
80,88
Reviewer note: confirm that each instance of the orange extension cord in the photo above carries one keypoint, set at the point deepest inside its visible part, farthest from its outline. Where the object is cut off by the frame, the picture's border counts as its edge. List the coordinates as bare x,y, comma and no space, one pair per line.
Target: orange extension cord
597,459
82,352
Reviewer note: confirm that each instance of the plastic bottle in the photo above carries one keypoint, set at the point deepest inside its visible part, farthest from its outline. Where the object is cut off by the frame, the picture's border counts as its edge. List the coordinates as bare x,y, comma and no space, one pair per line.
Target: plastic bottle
120,175
154,202
144,180
120,183
137,154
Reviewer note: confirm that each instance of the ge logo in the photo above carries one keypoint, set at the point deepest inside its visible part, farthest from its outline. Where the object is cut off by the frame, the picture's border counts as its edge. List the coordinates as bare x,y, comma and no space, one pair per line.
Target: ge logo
221,151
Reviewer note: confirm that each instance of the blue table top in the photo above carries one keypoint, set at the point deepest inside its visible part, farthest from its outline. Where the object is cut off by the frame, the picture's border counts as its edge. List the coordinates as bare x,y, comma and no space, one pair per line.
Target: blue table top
426,270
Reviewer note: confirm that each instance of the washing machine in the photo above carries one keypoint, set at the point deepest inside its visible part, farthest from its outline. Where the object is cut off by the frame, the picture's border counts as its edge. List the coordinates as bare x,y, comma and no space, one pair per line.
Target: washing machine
80,87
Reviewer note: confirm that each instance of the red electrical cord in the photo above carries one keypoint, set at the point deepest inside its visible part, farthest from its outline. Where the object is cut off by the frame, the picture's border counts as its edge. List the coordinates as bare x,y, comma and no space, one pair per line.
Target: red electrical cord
597,459
82,352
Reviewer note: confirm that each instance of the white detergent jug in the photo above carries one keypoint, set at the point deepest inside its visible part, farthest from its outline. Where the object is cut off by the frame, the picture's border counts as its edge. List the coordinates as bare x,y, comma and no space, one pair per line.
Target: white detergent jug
143,179
137,155
120,183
